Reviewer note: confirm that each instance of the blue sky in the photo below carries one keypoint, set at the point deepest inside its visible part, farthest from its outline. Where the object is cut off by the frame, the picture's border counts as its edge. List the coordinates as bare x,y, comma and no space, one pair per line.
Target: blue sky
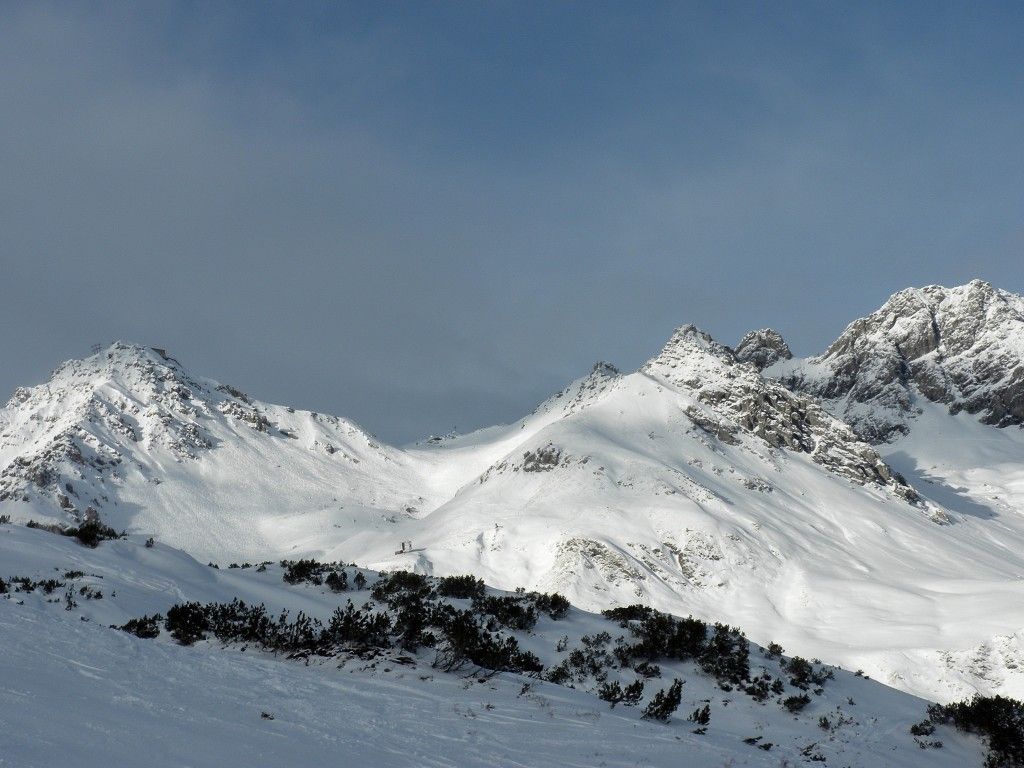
427,215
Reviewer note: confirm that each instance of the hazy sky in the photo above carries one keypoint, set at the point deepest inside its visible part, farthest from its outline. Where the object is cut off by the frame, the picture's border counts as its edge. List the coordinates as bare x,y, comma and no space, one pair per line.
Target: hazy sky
426,215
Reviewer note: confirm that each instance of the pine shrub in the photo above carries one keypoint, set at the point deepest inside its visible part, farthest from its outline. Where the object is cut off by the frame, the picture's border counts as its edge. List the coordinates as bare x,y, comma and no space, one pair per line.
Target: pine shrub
665,702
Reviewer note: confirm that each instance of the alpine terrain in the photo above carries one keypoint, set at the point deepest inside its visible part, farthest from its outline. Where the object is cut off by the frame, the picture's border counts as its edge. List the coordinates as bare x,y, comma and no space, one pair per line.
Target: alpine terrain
856,518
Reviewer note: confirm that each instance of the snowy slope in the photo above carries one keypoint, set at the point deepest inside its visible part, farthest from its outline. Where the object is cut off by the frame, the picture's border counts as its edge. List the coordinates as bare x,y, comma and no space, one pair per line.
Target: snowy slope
649,494
73,688
695,484
150,447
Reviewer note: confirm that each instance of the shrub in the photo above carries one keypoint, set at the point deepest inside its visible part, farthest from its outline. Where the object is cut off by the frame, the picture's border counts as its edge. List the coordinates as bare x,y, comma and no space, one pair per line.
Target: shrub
701,716
610,692
646,669
187,623
554,605
510,610
665,702
628,613
760,689
150,542
727,655
796,703
337,581
592,660
800,671
468,641
49,585
412,616
460,587
559,674
401,585
632,693
924,728
5,519
999,719
614,693
298,571
146,627
92,532
803,673
352,626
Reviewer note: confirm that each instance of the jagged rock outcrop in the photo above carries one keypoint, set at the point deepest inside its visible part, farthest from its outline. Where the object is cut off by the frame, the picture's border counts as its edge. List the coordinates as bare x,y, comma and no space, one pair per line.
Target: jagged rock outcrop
962,346
762,348
693,361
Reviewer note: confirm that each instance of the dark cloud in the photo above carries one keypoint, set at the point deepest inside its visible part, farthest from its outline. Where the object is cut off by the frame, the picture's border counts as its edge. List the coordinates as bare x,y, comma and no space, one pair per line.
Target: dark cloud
423,216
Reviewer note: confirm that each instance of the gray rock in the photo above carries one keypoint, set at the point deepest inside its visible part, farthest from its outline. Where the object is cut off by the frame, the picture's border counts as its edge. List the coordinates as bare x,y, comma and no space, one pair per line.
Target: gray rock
763,348
730,390
962,347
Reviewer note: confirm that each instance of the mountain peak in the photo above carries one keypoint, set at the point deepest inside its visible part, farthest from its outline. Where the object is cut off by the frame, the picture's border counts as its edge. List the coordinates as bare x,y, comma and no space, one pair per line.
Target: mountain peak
763,348
694,364
961,346
688,338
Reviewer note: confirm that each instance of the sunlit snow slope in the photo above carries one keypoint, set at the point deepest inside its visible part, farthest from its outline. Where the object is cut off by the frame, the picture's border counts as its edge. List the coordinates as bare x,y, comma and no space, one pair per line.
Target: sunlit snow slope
695,484
75,691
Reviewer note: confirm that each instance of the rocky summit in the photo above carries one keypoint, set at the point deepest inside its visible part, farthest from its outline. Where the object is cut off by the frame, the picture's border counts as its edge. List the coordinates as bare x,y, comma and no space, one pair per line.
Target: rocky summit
962,347
763,348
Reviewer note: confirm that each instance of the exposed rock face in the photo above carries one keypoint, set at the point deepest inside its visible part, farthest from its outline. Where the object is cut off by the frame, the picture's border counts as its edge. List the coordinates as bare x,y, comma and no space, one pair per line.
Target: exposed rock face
962,346
762,348
762,407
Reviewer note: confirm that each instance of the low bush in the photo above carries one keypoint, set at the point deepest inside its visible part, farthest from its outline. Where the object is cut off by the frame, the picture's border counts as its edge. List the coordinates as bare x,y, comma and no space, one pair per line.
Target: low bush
187,623
665,702
1000,720
337,581
554,605
796,703
402,586
513,611
298,571
89,533
628,613
701,716
146,627
461,587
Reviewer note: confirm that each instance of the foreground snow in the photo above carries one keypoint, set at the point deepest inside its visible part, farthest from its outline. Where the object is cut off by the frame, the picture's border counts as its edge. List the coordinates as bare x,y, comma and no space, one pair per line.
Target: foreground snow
72,688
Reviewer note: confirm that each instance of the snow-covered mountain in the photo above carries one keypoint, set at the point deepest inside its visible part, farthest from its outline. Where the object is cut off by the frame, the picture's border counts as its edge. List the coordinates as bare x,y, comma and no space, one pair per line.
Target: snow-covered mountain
962,347
697,484
131,435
